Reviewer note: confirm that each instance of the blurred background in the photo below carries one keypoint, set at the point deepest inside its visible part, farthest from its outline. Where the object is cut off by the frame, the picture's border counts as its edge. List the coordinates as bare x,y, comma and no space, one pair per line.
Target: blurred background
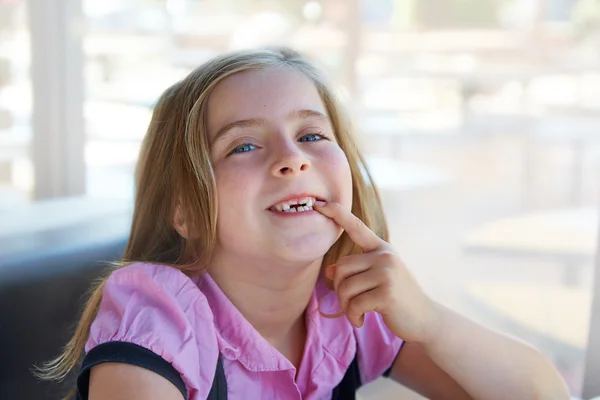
480,120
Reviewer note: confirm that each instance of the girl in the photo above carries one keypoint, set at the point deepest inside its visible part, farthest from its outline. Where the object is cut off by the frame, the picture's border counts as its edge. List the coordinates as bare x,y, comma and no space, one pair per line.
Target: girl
254,217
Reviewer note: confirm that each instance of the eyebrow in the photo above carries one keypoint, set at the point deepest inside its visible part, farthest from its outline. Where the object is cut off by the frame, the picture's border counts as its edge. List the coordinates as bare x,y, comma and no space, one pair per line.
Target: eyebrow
246,123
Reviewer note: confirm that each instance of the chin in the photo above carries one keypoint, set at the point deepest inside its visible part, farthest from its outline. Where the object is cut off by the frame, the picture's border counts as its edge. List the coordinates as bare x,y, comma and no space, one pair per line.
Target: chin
300,251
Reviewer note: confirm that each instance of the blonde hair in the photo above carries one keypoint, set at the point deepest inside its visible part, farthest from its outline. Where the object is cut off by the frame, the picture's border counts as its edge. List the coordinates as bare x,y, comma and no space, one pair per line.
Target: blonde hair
174,170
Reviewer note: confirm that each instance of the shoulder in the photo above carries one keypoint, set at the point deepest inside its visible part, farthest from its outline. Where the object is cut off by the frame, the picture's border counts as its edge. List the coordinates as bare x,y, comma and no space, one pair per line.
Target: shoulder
144,299
152,277
161,309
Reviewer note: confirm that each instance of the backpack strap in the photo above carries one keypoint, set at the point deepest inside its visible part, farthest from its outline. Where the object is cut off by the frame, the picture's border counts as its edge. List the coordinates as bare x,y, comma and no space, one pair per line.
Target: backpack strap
346,389
218,391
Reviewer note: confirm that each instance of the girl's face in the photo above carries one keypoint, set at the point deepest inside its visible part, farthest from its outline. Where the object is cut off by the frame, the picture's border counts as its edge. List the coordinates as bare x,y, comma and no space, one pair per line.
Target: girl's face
274,152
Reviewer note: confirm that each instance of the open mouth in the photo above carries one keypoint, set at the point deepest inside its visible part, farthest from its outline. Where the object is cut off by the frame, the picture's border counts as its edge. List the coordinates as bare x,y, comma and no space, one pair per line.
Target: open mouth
302,204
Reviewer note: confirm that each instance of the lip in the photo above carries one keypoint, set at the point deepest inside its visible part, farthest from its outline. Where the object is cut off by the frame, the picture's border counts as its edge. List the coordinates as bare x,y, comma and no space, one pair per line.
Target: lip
296,196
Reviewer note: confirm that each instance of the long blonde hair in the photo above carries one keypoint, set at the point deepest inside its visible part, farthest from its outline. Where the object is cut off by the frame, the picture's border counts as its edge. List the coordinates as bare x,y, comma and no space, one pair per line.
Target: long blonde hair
174,170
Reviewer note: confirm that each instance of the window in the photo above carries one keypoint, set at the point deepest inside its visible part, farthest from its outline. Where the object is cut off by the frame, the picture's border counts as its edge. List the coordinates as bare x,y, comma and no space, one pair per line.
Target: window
16,169
480,126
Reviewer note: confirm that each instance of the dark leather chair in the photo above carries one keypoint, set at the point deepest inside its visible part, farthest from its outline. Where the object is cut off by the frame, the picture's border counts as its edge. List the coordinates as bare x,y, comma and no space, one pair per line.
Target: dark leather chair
44,278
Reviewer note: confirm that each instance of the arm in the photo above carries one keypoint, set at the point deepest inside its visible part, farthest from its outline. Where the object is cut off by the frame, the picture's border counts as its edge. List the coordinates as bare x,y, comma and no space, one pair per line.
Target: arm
415,370
152,316
485,364
118,381
464,360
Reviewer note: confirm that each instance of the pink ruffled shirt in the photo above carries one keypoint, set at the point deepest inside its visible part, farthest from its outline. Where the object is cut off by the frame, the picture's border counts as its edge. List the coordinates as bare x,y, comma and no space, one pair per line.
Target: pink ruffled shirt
190,321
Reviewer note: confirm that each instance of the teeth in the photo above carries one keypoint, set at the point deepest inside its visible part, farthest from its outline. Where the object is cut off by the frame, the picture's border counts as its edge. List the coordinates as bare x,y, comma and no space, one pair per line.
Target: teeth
299,209
287,206
304,200
282,207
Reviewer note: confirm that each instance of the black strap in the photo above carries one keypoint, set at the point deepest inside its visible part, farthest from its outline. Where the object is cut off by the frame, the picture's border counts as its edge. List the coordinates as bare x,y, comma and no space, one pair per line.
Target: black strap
388,371
346,389
133,354
218,391
130,353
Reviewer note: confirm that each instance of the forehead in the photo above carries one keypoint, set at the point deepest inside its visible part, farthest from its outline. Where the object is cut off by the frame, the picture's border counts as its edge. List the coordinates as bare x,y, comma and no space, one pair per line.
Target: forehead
271,93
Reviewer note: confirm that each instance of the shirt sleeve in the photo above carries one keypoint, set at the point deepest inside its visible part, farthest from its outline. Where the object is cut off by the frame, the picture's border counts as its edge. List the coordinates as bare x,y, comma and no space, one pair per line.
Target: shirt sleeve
127,353
162,310
377,348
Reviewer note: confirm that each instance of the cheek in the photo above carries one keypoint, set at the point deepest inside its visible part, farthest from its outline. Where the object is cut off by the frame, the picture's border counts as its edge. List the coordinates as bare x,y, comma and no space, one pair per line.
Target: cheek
233,182
232,219
235,188
339,174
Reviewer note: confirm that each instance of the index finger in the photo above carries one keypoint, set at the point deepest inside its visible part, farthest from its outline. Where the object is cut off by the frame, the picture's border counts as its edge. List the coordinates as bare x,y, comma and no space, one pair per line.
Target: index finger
356,229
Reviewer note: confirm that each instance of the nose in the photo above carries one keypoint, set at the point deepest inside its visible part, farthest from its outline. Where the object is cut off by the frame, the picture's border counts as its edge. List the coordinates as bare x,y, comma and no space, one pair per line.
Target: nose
290,160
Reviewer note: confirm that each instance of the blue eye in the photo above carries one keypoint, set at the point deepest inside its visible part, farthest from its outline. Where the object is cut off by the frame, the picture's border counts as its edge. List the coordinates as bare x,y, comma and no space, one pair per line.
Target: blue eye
312,137
243,148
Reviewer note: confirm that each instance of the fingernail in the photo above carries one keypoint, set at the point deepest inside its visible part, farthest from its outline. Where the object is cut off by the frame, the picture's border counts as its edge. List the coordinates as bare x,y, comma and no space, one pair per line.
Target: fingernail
320,203
330,271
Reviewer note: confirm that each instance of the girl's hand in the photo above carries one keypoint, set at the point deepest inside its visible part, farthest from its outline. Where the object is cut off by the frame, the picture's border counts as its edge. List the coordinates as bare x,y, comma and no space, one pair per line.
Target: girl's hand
377,280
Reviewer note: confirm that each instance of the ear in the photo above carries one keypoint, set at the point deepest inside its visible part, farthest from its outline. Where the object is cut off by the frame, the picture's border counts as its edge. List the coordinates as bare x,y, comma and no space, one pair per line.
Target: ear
179,222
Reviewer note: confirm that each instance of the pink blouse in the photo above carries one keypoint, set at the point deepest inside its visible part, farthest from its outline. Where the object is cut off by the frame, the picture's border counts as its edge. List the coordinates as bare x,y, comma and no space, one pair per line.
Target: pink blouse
189,322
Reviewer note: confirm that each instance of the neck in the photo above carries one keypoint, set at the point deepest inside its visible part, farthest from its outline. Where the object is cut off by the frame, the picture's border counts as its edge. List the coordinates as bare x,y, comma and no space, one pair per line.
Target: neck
272,298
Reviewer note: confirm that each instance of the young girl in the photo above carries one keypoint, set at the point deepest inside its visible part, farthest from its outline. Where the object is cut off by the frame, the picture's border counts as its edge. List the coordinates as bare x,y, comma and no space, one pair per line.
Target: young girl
254,221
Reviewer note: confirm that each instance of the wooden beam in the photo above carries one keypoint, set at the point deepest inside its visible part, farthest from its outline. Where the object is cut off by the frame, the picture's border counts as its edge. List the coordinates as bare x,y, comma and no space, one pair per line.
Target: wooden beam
57,79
